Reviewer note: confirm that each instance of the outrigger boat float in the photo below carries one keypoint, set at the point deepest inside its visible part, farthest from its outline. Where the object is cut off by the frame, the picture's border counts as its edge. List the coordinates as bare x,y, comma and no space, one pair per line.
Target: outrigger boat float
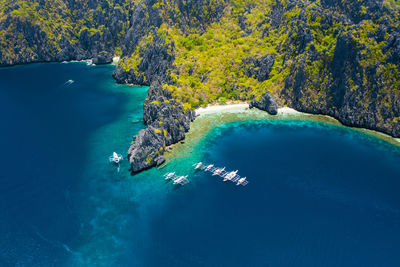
227,176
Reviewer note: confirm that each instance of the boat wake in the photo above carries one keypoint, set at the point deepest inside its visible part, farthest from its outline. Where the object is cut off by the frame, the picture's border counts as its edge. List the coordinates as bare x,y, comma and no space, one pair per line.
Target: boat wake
57,244
69,82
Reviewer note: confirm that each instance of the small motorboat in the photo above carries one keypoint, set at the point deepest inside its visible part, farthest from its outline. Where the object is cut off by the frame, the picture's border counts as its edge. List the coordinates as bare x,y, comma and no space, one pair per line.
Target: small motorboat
116,158
69,82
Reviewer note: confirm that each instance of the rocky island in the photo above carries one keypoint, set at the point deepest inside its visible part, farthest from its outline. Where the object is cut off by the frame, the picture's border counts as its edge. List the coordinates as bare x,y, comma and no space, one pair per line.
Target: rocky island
339,58
167,123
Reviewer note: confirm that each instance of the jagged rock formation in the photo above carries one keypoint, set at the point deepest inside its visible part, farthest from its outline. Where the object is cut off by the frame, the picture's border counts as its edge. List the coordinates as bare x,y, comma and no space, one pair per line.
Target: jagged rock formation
155,58
166,122
148,59
259,67
102,58
266,103
148,54
357,81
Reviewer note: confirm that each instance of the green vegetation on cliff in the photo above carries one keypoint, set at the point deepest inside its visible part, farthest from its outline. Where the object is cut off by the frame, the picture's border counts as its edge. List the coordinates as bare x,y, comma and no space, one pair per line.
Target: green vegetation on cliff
47,30
210,62
336,57
339,58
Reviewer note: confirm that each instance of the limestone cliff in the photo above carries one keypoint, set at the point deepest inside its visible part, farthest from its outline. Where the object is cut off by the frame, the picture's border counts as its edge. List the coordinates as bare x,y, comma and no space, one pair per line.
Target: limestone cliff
167,122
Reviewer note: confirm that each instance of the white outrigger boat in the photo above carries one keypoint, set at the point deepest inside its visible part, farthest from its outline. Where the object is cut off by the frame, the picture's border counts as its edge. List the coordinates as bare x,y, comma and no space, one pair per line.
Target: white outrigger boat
116,158
169,175
242,181
209,167
221,172
218,171
181,180
230,175
197,165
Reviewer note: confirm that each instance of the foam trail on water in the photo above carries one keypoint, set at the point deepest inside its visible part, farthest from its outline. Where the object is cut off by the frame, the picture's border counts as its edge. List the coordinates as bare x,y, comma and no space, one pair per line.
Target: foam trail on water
69,82
55,243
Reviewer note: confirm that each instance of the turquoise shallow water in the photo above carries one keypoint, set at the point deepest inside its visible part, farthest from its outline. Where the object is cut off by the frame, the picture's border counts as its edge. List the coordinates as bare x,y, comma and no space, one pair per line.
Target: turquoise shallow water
319,195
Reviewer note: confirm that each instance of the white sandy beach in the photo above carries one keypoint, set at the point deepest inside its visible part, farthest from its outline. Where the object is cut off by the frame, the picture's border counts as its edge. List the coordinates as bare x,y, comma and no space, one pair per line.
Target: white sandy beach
238,108
220,108
115,61
287,110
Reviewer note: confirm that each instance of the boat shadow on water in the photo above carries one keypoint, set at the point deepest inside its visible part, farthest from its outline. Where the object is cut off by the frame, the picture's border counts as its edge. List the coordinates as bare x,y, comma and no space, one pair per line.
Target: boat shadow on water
174,186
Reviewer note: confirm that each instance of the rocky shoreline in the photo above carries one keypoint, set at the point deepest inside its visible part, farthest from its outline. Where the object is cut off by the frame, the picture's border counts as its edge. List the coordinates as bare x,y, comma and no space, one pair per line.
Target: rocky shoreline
335,58
266,103
167,122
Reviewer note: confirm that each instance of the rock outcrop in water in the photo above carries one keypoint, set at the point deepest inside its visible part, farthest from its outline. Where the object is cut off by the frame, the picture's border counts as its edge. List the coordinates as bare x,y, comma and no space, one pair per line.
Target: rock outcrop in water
167,122
266,103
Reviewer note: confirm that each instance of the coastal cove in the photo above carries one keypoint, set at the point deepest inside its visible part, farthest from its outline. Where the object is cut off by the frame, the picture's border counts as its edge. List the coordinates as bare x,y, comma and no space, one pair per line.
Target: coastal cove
219,115
319,193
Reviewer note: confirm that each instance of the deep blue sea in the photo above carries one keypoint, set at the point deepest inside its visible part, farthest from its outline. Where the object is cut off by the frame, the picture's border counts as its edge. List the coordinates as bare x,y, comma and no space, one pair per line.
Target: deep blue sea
319,195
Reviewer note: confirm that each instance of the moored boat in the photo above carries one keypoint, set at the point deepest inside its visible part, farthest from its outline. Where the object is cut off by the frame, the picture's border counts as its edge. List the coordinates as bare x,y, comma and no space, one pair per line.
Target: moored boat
116,158
218,171
230,175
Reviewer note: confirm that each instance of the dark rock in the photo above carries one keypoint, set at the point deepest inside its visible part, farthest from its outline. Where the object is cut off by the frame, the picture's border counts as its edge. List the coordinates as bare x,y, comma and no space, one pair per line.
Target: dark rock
393,45
145,150
196,14
160,160
304,37
347,85
85,39
156,58
103,58
145,19
259,67
167,124
31,41
266,103
277,14
352,90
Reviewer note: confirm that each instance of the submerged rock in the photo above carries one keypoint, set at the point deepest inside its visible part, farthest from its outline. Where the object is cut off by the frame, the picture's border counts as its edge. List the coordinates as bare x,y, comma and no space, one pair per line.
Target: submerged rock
167,124
266,103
